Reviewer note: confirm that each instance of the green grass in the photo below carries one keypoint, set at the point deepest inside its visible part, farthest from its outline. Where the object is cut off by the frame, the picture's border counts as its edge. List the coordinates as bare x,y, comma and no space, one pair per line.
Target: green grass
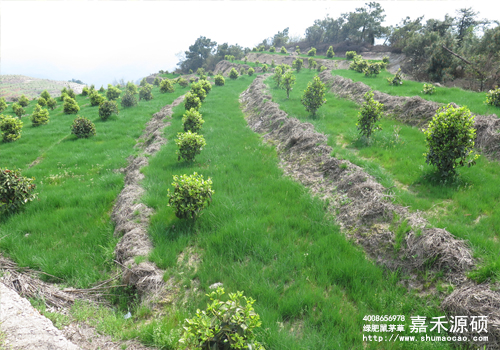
67,232
473,100
467,207
264,234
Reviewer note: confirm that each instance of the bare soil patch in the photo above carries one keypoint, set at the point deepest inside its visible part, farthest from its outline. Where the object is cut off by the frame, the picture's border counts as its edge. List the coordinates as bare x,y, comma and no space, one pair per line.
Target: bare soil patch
416,111
362,207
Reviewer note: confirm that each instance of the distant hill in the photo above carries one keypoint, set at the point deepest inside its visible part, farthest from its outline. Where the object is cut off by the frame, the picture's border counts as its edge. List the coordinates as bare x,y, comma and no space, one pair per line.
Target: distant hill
12,86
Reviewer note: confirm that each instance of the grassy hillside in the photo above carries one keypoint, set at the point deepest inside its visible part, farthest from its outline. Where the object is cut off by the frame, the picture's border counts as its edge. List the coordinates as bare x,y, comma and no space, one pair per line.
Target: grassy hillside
13,86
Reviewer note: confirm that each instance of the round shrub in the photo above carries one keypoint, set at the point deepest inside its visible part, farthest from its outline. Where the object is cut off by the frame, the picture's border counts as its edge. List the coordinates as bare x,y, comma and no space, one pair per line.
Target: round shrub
182,82
450,139
83,128
200,71
156,82
227,324
311,52
191,100
251,71
23,101
283,50
45,94
3,104
131,87
146,93
369,114
18,110
206,85
42,102
192,80
219,80
314,95
102,90
190,145
198,90
143,82
190,196
15,191
70,106
349,55
166,85
85,91
358,64
96,99
51,103
297,50
10,128
493,97
264,68
330,53
272,49
63,96
71,93
297,64
428,89
397,79
192,121
372,69
107,108
113,93
385,59
39,116
233,74
288,80
129,99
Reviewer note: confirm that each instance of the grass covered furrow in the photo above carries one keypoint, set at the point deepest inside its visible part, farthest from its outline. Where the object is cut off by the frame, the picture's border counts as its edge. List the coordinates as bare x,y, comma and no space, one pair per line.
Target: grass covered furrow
266,235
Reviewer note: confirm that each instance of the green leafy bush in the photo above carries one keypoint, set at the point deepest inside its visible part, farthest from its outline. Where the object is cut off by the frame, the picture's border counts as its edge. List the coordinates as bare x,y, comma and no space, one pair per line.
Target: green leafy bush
166,85
283,50
450,139
113,93
107,108
322,68
297,50
245,59
191,100
233,74
297,64
200,71
314,95
287,82
63,96
272,64
349,55
83,128
198,90
272,49
190,145
85,91
358,64
39,116
191,195
192,121
372,69
96,99
131,87
385,59
330,53
242,71
261,48
45,94
70,106
493,97
129,99
156,82
206,85
71,93
146,92
144,82
264,68
3,104
51,103
192,80
250,71
278,75
182,82
397,79
18,110
10,128
428,89
15,191
311,52
23,101
369,114
102,90
42,102
223,325
219,80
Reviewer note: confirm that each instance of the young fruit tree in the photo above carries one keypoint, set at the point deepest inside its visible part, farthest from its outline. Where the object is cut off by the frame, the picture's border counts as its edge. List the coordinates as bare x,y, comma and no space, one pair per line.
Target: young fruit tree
369,114
190,196
107,108
450,139
23,101
166,86
191,100
70,106
233,74
83,128
287,82
129,99
330,53
219,80
39,116
15,191
314,95
10,128
192,121
190,145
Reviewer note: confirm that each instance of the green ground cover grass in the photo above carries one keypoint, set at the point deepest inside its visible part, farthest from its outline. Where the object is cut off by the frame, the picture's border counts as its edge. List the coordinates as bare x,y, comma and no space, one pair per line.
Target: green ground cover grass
472,99
67,232
466,207
266,235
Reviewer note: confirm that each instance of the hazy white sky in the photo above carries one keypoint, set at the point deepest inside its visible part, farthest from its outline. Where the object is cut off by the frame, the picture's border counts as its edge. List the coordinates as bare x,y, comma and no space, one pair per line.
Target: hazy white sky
98,41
